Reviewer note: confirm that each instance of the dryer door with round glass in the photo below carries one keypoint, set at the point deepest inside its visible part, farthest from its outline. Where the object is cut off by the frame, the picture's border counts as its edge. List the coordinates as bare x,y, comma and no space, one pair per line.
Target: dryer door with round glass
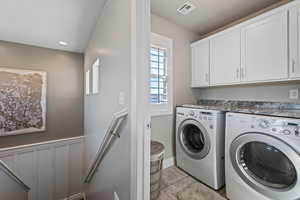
194,139
267,164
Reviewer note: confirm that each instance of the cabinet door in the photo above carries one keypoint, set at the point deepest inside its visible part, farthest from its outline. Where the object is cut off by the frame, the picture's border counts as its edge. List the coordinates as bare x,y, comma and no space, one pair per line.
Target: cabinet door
225,62
294,26
200,64
265,49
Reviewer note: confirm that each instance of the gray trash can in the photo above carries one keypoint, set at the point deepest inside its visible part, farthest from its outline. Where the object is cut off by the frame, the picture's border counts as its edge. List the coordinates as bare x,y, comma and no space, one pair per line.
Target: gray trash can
157,156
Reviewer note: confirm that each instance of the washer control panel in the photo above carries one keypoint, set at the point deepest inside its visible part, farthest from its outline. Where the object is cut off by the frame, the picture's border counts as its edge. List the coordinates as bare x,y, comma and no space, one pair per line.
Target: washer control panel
205,117
277,126
196,114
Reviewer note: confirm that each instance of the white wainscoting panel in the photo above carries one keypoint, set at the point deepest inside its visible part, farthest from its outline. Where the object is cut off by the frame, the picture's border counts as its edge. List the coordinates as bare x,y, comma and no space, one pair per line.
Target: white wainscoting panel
53,170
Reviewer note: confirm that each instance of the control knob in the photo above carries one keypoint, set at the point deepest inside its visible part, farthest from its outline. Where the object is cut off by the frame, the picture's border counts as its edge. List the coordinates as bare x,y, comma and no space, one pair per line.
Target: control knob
297,131
286,132
192,113
264,124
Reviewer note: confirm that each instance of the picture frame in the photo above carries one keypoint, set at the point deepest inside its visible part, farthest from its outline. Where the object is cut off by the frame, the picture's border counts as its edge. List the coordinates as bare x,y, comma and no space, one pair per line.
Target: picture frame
23,95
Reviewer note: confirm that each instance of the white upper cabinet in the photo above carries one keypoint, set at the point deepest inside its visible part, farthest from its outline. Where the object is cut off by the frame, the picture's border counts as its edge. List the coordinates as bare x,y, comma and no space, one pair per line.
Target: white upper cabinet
200,64
265,49
225,62
294,25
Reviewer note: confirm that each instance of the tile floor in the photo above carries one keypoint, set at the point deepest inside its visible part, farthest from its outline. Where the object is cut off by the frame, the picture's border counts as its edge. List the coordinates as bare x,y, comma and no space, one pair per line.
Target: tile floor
175,180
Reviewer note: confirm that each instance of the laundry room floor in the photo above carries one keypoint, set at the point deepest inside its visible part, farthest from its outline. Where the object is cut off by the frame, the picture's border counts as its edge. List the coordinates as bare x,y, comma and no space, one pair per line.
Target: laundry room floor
178,185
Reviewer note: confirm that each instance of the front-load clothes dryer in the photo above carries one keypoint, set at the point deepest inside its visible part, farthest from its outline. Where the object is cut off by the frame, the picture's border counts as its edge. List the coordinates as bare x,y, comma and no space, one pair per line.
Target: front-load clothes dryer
200,144
262,156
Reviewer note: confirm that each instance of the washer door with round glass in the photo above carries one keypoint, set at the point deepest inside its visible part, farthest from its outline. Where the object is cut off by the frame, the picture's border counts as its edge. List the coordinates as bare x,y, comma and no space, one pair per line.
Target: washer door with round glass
194,139
267,164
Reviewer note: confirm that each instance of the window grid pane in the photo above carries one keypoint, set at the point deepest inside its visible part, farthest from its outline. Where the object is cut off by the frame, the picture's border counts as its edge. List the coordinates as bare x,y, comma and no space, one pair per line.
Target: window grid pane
158,76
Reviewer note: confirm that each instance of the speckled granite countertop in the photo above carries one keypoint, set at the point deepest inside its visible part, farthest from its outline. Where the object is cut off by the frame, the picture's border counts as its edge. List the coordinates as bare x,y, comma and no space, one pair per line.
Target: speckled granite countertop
251,107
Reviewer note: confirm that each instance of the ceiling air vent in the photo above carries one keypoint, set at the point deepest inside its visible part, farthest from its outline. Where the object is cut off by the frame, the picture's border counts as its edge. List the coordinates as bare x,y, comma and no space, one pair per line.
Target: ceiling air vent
186,8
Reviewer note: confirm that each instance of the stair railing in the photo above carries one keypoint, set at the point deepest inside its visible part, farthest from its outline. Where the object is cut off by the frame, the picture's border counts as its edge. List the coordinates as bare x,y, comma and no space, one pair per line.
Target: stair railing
13,176
111,133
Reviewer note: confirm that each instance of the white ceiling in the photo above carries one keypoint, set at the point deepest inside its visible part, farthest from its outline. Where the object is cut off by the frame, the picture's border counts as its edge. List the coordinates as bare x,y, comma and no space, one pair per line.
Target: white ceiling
209,14
46,22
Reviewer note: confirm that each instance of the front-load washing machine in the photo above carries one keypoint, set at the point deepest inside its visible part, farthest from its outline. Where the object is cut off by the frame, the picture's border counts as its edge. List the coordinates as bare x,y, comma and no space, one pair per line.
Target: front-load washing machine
200,144
262,157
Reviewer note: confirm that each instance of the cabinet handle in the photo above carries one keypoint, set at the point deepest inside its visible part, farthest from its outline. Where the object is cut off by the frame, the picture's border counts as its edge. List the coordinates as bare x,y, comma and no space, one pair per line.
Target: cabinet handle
242,73
293,65
206,77
237,73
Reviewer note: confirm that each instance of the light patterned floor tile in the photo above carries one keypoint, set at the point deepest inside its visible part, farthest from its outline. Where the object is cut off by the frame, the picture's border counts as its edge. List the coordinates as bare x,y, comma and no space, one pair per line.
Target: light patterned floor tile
166,196
172,175
180,185
175,180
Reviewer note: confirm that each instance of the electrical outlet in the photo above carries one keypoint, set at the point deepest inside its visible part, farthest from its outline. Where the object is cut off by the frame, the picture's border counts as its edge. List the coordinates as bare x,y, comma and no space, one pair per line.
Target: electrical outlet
294,94
116,196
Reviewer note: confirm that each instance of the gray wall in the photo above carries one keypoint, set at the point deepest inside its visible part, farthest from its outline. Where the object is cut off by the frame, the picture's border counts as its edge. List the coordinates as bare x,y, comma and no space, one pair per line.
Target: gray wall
162,130
64,91
110,42
162,126
278,92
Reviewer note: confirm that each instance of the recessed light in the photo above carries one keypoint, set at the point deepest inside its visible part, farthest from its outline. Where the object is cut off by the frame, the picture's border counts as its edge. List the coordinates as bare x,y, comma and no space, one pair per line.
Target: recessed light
63,43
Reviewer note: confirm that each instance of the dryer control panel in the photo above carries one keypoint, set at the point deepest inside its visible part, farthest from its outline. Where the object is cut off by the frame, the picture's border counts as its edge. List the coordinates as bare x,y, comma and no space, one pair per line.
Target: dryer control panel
277,125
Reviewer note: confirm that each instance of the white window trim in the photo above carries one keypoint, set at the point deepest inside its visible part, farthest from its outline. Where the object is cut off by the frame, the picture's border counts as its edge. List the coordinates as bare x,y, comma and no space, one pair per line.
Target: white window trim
95,69
87,81
166,43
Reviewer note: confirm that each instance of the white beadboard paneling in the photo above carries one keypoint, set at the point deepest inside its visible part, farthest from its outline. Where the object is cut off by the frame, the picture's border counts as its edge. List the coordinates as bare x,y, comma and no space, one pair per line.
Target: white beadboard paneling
10,189
75,168
61,172
45,174
27,171
52,169
9,160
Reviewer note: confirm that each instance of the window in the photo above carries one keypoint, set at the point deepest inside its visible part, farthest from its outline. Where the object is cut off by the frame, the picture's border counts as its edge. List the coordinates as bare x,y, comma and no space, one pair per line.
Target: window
87,82
160,83
95,70
159,74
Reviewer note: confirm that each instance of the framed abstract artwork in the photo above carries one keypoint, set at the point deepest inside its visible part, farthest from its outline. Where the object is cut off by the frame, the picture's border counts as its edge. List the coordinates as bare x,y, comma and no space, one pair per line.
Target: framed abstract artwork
22,101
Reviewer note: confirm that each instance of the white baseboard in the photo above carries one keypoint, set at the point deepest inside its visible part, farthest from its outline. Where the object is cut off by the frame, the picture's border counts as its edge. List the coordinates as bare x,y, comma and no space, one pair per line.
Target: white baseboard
168,162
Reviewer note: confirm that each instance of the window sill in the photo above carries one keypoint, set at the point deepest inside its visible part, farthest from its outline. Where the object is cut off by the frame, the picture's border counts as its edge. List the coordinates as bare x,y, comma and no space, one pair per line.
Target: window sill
160,113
